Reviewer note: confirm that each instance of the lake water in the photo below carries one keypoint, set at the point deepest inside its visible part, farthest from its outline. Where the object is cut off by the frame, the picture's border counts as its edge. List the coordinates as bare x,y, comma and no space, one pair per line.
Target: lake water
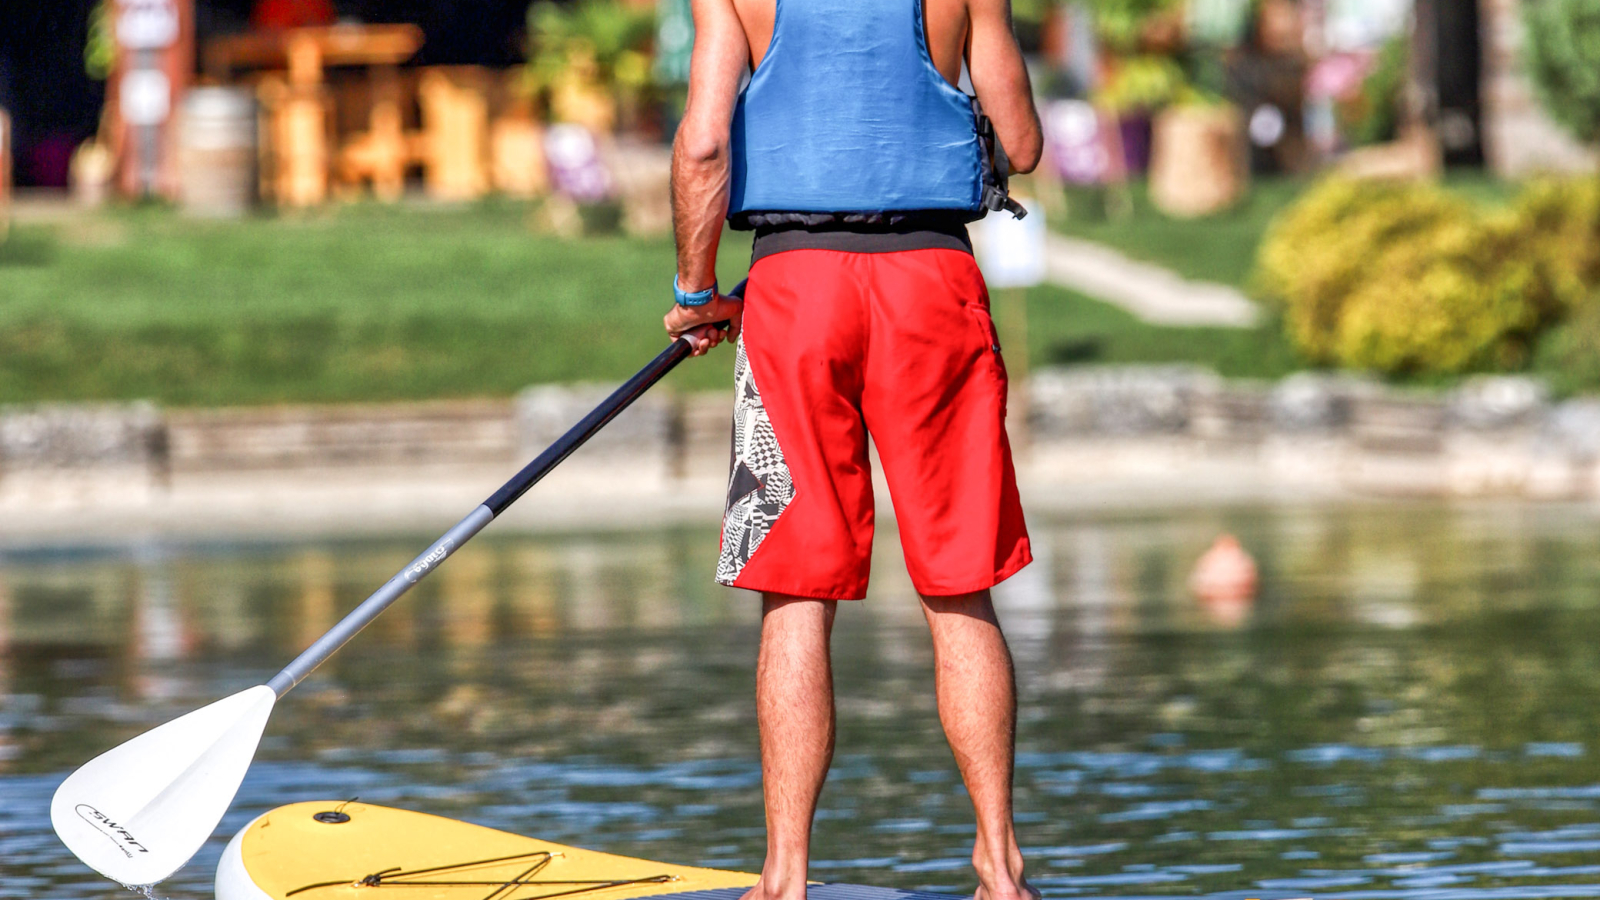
1406,711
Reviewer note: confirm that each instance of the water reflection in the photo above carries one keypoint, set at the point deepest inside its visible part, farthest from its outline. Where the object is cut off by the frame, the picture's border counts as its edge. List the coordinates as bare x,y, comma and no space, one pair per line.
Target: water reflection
1402,713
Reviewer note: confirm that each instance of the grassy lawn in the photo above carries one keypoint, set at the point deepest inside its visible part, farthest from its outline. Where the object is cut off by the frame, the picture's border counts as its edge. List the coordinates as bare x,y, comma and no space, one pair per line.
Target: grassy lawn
1220,248
358,303
1067,328
372,303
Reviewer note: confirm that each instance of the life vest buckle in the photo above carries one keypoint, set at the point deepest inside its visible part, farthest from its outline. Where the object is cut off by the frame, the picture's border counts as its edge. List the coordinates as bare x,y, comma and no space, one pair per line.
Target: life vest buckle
997,176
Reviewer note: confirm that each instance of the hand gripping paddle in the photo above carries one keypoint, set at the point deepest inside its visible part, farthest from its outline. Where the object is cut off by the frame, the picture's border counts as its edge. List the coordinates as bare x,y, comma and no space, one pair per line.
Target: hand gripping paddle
138,812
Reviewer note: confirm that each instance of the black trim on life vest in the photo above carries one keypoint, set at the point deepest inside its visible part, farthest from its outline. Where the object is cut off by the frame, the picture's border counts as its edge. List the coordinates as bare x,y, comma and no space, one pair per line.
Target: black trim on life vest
764,219
928,233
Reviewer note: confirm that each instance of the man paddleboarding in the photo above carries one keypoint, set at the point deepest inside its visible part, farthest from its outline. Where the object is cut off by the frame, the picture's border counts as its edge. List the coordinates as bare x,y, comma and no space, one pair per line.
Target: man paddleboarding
858,162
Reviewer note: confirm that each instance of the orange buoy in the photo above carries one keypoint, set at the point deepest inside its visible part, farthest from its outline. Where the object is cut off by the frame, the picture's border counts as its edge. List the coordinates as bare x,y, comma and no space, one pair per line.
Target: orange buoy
1224,579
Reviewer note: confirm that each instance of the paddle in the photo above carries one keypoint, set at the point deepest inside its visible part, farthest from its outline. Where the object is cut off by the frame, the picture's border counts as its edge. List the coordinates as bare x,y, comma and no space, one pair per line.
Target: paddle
138,812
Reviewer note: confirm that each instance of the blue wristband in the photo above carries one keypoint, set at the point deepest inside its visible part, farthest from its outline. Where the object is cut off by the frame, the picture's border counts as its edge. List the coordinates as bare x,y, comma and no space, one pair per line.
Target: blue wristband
698,298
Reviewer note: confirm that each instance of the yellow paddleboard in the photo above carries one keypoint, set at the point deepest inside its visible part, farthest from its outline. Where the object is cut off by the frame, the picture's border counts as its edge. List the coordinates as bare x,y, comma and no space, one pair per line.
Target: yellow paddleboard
353,851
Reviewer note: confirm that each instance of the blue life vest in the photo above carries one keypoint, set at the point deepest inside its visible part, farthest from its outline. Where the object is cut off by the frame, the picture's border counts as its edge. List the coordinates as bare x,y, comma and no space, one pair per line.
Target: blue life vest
847,119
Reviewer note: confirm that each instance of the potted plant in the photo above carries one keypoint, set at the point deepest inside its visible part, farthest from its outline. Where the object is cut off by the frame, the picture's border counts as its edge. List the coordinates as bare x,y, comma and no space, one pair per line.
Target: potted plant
591,60
1134,89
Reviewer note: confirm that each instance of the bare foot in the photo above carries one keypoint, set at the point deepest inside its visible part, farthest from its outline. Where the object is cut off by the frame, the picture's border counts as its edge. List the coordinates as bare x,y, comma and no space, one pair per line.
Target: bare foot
1018,889
759,891
1002,879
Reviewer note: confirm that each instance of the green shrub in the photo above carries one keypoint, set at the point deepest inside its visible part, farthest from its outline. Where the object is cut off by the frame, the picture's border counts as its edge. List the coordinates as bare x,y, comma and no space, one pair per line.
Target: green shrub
1118,23
1141,83
1559,219
1455,297
1564,60
1401,278
1569,354
1316,253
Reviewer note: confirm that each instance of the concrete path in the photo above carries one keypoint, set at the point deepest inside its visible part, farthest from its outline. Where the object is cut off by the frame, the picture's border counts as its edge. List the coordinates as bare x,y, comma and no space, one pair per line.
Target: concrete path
1152,293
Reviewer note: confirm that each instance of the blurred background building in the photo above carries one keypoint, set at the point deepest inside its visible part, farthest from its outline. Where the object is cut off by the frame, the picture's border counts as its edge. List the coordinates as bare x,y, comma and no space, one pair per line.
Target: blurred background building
357,94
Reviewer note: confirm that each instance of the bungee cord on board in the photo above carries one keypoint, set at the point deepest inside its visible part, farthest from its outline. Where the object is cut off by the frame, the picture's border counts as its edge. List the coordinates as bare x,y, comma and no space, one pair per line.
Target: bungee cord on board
399,877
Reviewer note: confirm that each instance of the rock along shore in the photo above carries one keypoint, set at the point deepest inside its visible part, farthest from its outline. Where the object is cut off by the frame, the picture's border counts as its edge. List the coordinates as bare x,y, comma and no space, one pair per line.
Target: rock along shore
1093,438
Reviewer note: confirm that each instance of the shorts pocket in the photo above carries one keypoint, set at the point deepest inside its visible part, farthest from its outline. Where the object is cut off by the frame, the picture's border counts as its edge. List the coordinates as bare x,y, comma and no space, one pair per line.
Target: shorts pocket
965,281
979,311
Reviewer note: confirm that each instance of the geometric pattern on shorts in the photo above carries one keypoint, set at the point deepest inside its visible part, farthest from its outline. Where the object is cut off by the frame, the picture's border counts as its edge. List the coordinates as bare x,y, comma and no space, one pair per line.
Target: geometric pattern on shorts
759,485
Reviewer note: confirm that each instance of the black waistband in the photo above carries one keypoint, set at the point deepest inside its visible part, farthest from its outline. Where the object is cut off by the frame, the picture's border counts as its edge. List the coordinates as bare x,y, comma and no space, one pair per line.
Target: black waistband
924,234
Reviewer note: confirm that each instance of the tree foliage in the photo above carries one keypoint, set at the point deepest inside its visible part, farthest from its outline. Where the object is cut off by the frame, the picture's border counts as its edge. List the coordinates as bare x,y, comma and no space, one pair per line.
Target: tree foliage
1563,55
609,37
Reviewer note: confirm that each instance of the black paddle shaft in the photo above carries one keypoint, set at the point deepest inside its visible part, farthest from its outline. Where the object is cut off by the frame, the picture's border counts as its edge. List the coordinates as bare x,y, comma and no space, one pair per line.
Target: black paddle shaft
485,513
597,419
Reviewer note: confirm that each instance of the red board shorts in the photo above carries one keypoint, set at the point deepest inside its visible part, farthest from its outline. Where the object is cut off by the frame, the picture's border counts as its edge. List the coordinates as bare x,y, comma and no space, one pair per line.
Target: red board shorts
837,345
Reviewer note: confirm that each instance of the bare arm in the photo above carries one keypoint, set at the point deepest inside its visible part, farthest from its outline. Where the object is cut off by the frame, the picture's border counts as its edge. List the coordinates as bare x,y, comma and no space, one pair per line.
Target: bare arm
1001,79
700,163
700,160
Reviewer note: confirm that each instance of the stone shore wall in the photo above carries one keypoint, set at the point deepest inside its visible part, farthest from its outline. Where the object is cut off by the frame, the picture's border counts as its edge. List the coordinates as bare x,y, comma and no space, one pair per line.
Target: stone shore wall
1491,436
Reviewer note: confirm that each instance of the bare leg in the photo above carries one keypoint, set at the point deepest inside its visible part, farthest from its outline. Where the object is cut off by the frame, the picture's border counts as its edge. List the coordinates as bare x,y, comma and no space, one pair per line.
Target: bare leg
794,710
978,708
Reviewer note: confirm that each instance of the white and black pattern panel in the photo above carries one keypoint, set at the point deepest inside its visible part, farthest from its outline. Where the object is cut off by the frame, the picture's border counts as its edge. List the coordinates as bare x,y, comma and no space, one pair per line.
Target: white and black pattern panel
759,486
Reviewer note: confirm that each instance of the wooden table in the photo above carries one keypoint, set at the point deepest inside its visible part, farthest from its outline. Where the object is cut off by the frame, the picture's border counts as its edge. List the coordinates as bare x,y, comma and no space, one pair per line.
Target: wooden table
298,110
305,52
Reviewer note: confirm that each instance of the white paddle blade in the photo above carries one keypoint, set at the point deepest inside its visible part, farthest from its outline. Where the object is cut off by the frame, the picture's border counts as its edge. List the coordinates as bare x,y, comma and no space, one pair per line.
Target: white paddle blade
138,812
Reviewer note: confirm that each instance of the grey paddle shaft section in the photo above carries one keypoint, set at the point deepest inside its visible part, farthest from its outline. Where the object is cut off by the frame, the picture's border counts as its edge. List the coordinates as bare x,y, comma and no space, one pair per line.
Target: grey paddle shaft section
463,531
369,609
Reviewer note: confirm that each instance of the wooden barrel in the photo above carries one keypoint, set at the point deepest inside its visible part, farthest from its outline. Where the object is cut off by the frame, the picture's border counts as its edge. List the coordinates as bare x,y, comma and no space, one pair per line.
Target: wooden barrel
217,152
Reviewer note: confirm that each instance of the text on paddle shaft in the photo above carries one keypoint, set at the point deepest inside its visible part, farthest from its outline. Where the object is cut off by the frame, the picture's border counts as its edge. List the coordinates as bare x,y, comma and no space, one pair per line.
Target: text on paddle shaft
102,823
426,562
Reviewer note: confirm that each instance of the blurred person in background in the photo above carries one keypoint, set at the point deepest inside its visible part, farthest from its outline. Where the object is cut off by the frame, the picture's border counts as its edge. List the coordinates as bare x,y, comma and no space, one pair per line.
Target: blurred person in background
858,163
